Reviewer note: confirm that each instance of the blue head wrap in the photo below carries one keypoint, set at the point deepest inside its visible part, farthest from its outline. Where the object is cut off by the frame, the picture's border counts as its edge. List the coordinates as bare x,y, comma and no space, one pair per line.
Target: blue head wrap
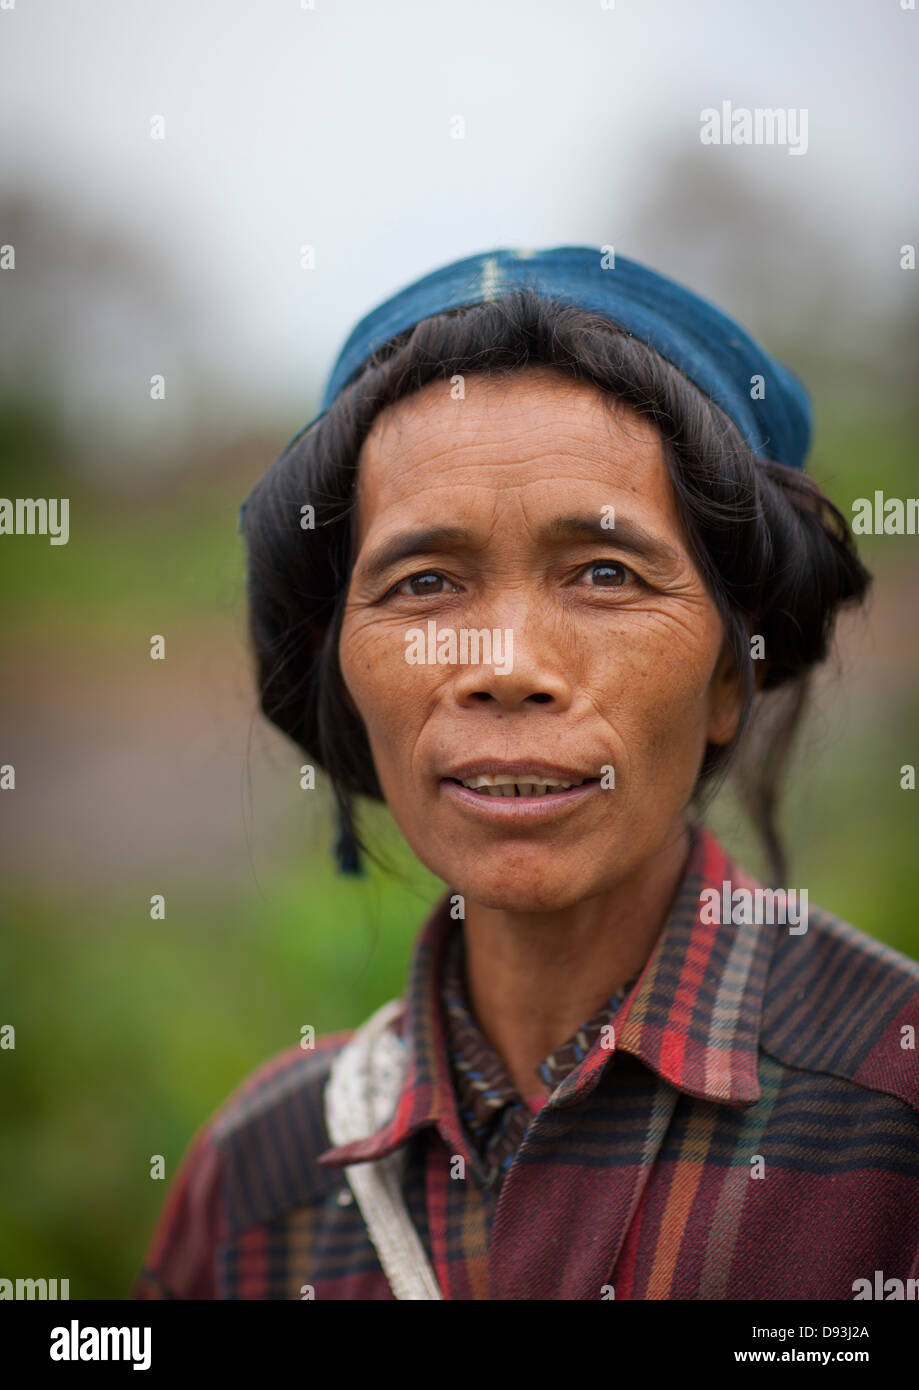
764,399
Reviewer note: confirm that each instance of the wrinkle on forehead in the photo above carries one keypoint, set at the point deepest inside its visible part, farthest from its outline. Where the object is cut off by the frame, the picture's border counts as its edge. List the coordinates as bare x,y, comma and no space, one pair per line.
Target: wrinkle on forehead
537,420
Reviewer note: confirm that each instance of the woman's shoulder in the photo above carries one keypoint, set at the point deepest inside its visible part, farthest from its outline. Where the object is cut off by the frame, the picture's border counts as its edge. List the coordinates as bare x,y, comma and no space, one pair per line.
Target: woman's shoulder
247,1164
278,1107
840,1002
288,1080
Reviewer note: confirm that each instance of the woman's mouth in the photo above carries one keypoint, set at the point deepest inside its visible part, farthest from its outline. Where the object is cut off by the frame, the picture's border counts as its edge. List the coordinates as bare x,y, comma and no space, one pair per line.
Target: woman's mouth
505,784
517,796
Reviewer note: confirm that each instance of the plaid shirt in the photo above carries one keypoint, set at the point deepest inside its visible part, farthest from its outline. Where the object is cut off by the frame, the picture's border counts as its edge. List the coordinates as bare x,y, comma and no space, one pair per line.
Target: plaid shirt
753,1133
495,1117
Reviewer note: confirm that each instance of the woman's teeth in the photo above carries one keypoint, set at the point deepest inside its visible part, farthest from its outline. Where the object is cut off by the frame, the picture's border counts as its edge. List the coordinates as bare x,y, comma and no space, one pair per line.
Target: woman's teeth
504,784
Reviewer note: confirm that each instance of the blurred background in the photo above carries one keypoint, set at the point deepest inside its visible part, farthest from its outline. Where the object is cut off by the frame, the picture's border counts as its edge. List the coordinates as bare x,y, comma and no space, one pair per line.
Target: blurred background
164,167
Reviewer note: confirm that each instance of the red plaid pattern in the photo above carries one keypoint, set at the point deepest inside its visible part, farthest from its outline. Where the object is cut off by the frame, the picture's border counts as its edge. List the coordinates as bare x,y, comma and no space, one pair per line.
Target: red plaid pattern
753,1134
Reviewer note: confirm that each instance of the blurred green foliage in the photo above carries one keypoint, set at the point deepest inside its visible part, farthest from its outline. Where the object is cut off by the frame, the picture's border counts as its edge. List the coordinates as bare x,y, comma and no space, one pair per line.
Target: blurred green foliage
129,1033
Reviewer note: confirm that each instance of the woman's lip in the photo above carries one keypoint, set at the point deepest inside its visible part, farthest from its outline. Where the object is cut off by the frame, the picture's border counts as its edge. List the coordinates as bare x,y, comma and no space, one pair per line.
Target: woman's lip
516,808
523,771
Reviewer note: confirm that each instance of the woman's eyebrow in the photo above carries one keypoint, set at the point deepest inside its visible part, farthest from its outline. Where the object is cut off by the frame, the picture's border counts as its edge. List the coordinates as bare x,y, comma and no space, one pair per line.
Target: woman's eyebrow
624,534
407,543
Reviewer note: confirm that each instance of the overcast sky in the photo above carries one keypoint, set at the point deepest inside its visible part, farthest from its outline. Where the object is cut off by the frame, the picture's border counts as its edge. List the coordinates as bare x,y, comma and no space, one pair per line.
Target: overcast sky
331,126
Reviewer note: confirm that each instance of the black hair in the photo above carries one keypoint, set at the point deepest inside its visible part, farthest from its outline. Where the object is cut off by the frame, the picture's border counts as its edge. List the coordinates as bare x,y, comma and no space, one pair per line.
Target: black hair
777,556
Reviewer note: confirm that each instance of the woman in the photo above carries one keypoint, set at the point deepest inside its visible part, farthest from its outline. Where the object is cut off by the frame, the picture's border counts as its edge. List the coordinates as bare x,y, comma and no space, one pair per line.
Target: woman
545,565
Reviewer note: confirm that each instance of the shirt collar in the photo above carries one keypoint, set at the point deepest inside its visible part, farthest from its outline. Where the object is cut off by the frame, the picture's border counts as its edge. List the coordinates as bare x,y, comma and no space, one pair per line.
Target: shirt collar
693,1016
483,1085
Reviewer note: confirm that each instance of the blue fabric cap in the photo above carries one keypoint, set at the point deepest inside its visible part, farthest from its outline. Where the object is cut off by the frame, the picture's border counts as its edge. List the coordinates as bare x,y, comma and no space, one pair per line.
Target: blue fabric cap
710,348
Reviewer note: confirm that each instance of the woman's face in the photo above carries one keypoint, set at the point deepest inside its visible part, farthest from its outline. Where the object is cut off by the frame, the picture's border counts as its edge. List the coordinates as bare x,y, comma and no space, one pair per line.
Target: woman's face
491,515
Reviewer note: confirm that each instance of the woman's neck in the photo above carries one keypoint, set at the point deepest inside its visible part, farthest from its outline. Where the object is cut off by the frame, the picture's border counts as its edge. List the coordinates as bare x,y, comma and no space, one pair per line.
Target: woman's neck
534,977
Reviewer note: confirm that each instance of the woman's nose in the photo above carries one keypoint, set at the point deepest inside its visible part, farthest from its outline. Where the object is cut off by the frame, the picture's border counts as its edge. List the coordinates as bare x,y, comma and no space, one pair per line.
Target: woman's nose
527,673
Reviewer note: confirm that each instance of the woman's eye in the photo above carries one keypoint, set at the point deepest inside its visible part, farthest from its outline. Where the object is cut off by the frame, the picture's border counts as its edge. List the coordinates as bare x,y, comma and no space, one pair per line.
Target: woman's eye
608,574
605,574
429,582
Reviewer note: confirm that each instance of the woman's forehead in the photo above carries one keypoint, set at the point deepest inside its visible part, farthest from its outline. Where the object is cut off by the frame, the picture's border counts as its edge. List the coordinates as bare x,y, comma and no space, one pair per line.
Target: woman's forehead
533,430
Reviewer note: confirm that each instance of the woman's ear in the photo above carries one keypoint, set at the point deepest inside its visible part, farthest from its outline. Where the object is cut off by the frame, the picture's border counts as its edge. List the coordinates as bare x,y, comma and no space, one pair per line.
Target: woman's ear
726,698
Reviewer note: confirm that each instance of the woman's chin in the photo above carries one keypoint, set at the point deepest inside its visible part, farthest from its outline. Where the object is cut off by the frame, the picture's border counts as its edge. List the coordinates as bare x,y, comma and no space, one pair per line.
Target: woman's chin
508,892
